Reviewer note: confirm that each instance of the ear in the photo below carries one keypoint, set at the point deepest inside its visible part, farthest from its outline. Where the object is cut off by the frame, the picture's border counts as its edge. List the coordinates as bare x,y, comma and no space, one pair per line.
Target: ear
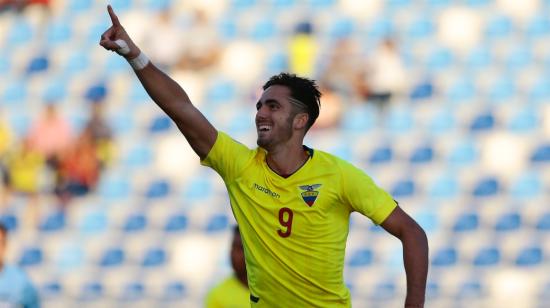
300,120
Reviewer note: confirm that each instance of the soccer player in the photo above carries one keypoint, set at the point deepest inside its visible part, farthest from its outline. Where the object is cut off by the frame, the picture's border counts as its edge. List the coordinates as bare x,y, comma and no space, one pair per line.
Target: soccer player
16,289
233,291
292,203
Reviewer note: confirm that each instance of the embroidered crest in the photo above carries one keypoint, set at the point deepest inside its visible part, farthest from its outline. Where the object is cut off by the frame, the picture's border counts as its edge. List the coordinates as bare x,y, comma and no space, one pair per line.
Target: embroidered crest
310,193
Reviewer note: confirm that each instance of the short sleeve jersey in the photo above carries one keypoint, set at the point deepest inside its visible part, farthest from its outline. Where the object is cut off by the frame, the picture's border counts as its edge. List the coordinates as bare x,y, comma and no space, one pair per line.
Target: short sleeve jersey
294,229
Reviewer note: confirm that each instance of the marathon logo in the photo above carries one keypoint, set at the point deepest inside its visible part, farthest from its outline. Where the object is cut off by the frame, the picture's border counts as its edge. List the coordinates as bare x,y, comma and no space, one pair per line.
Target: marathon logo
267,191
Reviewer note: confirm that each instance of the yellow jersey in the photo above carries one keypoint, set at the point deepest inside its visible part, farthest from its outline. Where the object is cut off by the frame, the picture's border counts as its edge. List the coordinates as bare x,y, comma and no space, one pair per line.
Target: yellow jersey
230,293
294,229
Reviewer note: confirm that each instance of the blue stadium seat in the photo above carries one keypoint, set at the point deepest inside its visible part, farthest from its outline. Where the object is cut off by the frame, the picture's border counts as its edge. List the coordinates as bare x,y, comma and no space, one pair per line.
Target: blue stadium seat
79,6
487,256
264,30
380,29
433,290
173,291
159,188
530,256
70,258
359,119
479,58
135,223
122,123
428,220
508,222
478,3
112,257
446,186
421,28
283,4
519,58
527,185
483,122
199,188
133,291
383,290
241,122
439,3
400,120
55,91
322,4
541,153
470,289
499,27
160,124
381,155
31,256
9,221
77,63
403,188
361,257
227,28
217,223
341,27
121,5
422,154
158,5
114,187
277,62
447,256
154,257
50,289
486,187
176,223
140,155
242,4
59,32
38,64
502,90
464,90
220,92
466,222
543,223
15,93
464,153
423,90
538,27
540,92
524,121
53,222
91,290
442,123
440,59
96,92
5,63
20,33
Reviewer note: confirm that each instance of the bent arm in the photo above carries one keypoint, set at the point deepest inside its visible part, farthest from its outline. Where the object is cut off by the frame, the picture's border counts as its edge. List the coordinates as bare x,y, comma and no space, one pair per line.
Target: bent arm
173,100
415,254
164,91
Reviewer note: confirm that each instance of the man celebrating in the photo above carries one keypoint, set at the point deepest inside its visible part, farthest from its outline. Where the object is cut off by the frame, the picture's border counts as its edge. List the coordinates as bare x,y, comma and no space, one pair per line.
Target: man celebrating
292,203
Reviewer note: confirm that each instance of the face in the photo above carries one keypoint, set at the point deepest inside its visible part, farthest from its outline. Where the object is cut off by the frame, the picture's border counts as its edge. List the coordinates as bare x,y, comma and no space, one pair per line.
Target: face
274,117
237,255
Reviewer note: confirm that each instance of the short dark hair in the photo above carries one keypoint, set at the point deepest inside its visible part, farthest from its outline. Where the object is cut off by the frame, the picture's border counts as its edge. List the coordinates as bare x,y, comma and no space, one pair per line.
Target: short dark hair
302,89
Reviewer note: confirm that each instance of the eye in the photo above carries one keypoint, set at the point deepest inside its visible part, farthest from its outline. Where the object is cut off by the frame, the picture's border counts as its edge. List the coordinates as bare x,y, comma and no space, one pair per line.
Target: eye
258,105
273,106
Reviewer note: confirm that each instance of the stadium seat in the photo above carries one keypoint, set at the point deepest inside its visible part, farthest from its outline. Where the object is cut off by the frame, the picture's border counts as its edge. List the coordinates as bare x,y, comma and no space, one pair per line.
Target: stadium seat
442,123
543,223
9,221
538,27
79,6
423,90
464,153
486,187
445,186
135,223
58,32
341,27
422,154
380,29
400,120
53,222
502,90
264,30
38,64
217,223
487,256
20,33
31,256
420,28
466,222
91,290
176,223
483,122
50,289
540,92
242,4
383,290
498,27
508,222
159,188
15,93
440,59
524,121
114,187
160,124
173,291
359,119
199,188
220,92
154,257
530,256
361,257
519,58
133,291
541,153
55,91
464,90
71,257
479,58
121,5
112,257
527,185
139,156
403,188
470,289
445,257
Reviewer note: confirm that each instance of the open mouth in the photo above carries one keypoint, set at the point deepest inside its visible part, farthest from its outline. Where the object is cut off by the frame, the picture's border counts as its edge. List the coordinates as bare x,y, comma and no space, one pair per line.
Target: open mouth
264,128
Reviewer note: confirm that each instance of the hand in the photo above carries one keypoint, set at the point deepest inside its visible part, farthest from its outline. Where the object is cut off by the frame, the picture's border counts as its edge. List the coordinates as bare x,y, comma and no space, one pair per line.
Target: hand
117,32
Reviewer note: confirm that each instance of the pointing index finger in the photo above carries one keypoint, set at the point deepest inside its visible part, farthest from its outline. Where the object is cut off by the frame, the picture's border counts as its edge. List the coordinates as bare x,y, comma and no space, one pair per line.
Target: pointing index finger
114,18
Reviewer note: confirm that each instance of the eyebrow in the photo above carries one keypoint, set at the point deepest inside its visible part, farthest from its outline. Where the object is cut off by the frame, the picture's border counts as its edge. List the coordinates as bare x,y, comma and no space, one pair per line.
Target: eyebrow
269,100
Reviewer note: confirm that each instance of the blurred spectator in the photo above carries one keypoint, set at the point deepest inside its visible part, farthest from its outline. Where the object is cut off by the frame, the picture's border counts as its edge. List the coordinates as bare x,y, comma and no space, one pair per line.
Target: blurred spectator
5,143
202,47
233,291
79,168
101,133
331,109
16,289
24,167
50,134
303,50
385,75
19,5
164,39
341,73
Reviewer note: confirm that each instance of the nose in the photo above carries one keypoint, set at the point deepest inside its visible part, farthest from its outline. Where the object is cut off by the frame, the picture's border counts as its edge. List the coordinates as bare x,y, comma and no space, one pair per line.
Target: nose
261,112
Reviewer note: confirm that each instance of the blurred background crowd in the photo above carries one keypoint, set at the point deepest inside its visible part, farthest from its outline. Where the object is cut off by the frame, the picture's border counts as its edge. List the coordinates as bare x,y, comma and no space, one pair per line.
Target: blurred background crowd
445,103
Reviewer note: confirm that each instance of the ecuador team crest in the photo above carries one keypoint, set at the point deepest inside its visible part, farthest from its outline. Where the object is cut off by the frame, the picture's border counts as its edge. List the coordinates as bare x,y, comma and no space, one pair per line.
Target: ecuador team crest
310,193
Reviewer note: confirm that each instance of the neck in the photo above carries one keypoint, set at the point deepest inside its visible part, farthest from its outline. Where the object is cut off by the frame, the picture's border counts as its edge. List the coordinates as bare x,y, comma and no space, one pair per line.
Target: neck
242,278
286,162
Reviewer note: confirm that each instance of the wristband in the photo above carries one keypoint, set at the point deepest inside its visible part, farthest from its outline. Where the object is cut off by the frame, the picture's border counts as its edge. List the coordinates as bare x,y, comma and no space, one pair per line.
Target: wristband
139,62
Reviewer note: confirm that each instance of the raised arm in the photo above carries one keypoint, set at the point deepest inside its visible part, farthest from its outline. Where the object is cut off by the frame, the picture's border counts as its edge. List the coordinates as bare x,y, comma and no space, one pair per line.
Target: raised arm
415,254
164,91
